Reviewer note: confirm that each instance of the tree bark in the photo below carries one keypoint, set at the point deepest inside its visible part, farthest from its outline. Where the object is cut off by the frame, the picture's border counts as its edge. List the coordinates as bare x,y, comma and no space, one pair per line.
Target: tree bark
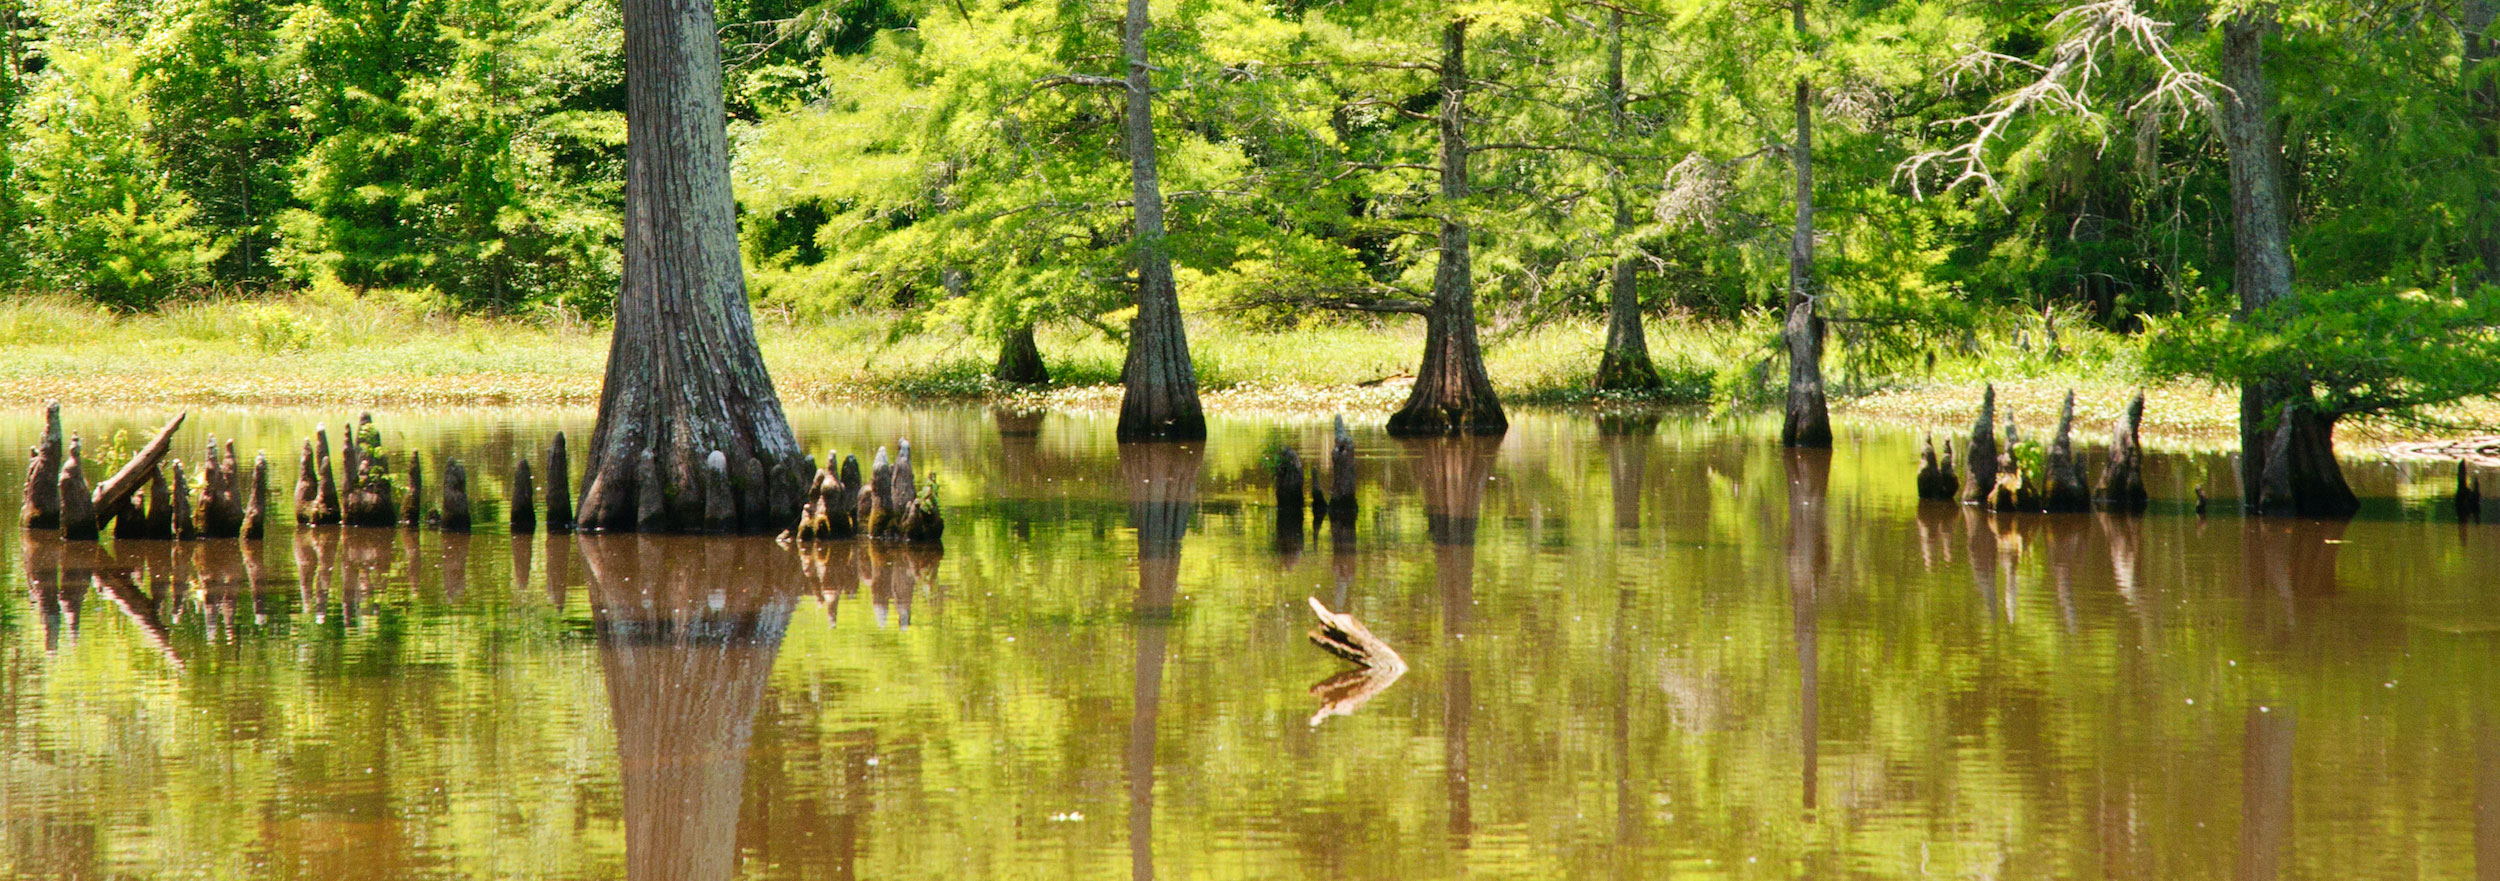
685,377
1625,366
1807,423
2262,271
1159,399
1452,394
1020,358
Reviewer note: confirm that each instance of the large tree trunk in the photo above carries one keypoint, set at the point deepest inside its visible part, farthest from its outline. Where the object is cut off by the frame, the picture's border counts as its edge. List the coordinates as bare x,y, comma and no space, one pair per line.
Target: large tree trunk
685,377
1020,358
1625,366
2262,271
1808,423
1452,394
2482,84
1160,396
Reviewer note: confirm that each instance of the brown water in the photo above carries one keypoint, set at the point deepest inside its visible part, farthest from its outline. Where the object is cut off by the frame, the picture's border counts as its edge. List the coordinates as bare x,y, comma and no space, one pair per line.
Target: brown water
1656,650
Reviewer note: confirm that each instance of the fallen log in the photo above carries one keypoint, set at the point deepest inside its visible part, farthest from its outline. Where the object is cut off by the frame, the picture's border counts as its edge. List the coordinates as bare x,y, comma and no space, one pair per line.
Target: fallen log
116,491
1341,635
41,505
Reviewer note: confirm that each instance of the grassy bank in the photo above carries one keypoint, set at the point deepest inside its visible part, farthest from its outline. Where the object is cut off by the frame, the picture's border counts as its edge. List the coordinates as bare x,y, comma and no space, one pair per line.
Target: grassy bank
371,352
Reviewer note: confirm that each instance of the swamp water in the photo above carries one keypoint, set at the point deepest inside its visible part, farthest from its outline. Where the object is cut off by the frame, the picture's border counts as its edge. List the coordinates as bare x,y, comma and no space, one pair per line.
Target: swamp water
1637,650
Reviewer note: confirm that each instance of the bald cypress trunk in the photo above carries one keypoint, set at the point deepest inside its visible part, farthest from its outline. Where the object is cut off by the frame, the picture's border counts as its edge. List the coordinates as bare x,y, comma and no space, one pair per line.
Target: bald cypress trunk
1452,394
1020,358
1159,400
2311,483
2482,84
1807,423
1625,366
685,377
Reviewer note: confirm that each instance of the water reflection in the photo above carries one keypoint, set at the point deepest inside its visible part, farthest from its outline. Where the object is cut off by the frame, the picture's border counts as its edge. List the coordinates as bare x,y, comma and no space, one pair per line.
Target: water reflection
1162,484
1450,474
1809,484
688,630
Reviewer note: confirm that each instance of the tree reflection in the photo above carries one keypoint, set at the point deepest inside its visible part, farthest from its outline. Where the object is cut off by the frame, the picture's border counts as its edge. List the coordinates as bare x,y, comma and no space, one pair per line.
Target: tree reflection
1809,555
1162,481
688,629
1627,439
2265,794
1451,473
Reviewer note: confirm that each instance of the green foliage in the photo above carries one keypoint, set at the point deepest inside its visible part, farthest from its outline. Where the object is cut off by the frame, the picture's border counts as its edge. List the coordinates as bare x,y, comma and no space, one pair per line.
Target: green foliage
2366,350
108,223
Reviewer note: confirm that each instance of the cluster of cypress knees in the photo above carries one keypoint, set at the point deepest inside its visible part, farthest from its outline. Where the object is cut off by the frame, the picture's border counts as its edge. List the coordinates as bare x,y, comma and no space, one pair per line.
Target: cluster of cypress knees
1995,480
889,506
1336,502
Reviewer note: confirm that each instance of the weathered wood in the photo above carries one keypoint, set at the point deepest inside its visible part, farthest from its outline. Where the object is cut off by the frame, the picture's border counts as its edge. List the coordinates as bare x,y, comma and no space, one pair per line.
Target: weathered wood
559,487
41,505
116,491
455,496
1341,635
2122,480
1289,481
2063,486
1935,476
1979,469
256,511
524,499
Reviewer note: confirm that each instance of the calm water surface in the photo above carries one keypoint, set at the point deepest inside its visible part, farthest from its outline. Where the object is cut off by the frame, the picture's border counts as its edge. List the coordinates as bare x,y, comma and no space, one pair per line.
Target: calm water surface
1639,649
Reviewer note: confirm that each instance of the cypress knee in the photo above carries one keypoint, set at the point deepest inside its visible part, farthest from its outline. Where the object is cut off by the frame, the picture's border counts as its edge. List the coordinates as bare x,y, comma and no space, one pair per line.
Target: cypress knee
185,528
41,508
1979,470
1341,472
256,511
2122,481
326,493
160,513
524,499
412,511
77,507
455,497
307,489
1289,481
2065,489
1935,476
559,487
720,509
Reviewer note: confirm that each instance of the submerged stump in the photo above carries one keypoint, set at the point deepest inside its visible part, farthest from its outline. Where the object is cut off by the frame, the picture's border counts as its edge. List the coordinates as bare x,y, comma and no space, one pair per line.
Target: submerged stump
524,499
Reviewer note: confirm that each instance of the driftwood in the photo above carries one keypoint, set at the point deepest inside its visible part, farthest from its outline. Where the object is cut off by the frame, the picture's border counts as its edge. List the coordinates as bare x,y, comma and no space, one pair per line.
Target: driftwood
412,509
78,522
41,505
2064,488
1979,469
455,497
559,487
2122,480
1341,635
256,511
1935,476
524,499
2469,498
117,490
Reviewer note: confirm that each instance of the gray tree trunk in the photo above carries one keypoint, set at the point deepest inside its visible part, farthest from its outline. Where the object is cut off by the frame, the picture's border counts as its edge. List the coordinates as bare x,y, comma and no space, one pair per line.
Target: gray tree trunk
1625,366
2482,84
1452,394
1159,399
1807,423
685,377
2262,271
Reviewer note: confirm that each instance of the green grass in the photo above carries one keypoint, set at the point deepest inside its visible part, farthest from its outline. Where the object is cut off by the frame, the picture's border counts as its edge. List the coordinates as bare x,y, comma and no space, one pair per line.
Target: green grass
374,350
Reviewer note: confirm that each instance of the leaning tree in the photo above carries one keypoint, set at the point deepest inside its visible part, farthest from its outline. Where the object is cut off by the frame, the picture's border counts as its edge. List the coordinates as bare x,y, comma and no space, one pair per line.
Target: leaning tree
685,378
